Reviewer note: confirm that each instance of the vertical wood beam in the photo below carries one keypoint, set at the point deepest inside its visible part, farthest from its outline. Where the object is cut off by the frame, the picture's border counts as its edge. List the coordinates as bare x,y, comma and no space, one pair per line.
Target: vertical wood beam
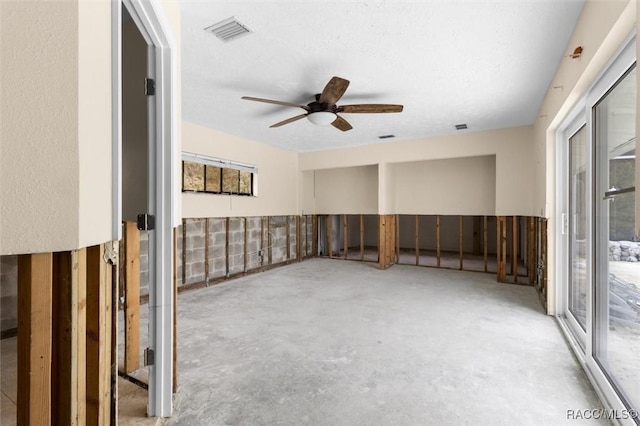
314,230
329,234
298,238
396,235
460,238
530,250
345,236
261,240
174,365
206,251
485,239
417,240
34,339
438,241
184,251
115,300
99,336
226,247
382,241
514,248
502,248
132,296
361,237
477,239
544,257
288,225
269,240
68,387
244,246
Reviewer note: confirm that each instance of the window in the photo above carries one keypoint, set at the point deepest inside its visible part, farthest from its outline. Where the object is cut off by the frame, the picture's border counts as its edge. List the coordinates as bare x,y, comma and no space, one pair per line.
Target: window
215,176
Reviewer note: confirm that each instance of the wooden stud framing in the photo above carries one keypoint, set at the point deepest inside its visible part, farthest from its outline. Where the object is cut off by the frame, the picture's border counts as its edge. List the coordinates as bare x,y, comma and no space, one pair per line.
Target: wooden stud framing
460,238
132,297
184,251
329,234
396,234
438,241
298,238
485,241
34,339
501,226
544,257
244,246
115,300
206,250
361,237
288,225
514,248
345,236
531,250
382,241
314,230
417,240
226,247
261,240
269,240
477,239
98,347
69,384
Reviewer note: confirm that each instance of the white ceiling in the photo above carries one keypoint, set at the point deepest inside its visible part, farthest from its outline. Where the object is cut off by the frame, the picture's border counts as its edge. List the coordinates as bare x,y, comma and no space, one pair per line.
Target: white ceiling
481,62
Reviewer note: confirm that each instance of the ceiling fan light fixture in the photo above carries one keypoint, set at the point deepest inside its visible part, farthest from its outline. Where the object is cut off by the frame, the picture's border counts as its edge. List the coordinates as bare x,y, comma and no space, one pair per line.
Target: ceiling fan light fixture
322,118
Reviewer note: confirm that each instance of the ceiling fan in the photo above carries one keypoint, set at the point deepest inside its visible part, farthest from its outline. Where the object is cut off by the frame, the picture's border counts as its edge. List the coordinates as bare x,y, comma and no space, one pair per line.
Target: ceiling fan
324,111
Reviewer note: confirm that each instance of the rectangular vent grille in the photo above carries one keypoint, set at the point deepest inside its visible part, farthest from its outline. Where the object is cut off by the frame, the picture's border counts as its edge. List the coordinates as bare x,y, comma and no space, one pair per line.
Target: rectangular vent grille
386,136
461,126
228,30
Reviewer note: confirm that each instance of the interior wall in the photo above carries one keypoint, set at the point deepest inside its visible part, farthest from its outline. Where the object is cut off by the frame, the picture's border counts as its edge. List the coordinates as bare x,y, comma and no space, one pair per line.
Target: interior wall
39,167
277,178
601,30
460,186
135,168
511,147
352,190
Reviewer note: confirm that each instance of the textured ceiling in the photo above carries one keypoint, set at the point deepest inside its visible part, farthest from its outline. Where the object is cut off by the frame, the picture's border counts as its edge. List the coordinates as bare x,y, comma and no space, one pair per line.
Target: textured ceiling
484,63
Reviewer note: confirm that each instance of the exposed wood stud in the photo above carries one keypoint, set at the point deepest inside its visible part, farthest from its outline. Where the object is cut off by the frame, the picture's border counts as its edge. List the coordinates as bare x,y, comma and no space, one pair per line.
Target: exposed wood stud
115,300
531,270
288,226
514,248
184,251
99,299
477,238
132,297
382,234
345,236
298,238
314,230
438,241
460,238
485,239
261,240
361,237
206,250
34,339
269,240
226,247
544,257
396,235
417,240
329,234
502,248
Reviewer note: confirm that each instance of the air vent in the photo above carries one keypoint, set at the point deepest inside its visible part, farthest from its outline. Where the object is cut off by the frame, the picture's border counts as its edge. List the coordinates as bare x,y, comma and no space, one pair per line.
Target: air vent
228,30
386,136
461,126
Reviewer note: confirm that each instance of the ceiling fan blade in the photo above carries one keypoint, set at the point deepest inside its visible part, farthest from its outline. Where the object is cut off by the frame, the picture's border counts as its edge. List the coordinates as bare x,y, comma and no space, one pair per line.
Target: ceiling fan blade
370,108
333,91
341,124
270,101
289,120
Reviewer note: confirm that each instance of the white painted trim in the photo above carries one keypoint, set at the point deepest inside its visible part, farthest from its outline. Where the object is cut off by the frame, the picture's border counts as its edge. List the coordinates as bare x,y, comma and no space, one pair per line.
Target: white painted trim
116,120
218,162
162,136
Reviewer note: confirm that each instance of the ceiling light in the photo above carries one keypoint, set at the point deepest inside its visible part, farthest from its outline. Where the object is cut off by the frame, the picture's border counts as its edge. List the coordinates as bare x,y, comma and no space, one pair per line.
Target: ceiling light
322,118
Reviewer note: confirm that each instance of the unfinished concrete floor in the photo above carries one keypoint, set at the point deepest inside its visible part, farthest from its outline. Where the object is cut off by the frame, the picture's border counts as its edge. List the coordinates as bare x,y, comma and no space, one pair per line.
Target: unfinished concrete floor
331,342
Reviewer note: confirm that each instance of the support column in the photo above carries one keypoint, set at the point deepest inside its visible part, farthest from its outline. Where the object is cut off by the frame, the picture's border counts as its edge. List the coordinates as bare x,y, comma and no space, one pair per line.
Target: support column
34,338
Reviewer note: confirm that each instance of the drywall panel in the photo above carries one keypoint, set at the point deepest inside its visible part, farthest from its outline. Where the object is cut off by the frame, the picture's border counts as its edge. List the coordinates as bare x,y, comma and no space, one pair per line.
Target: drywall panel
307,193
135,151
39,167
511,147
459,186
277,179
351,190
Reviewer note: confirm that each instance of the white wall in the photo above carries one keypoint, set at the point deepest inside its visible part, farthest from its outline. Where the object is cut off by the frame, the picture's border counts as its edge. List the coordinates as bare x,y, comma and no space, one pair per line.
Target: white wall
277,176
459,186
352,190
601,30
511,147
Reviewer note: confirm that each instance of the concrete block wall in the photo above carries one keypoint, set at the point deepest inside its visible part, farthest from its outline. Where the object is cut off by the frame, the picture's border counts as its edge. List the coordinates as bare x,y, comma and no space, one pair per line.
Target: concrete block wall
194,248
8,292
217,237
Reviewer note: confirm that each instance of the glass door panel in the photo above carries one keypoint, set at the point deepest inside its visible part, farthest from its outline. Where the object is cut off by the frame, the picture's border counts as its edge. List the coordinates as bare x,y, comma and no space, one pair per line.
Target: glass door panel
617,288
578,244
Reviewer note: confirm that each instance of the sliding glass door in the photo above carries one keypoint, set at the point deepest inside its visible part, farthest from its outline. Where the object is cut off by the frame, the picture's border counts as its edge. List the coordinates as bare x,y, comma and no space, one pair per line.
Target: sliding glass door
599,235
616,341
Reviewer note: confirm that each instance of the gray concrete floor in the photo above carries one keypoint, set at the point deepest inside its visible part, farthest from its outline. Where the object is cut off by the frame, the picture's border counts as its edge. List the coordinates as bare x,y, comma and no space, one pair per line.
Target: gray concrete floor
330,342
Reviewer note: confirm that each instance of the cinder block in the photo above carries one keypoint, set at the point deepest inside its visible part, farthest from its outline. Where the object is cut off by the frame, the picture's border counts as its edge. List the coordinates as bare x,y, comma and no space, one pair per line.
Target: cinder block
216,225
217,252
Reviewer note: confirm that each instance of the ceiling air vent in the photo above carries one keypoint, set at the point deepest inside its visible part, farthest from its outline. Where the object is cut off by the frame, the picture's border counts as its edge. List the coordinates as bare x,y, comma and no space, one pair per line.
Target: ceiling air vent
461,126
386,136
228,30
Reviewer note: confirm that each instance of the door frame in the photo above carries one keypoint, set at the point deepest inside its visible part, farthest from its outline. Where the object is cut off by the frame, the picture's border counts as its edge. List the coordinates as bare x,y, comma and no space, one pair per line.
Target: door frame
162,121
